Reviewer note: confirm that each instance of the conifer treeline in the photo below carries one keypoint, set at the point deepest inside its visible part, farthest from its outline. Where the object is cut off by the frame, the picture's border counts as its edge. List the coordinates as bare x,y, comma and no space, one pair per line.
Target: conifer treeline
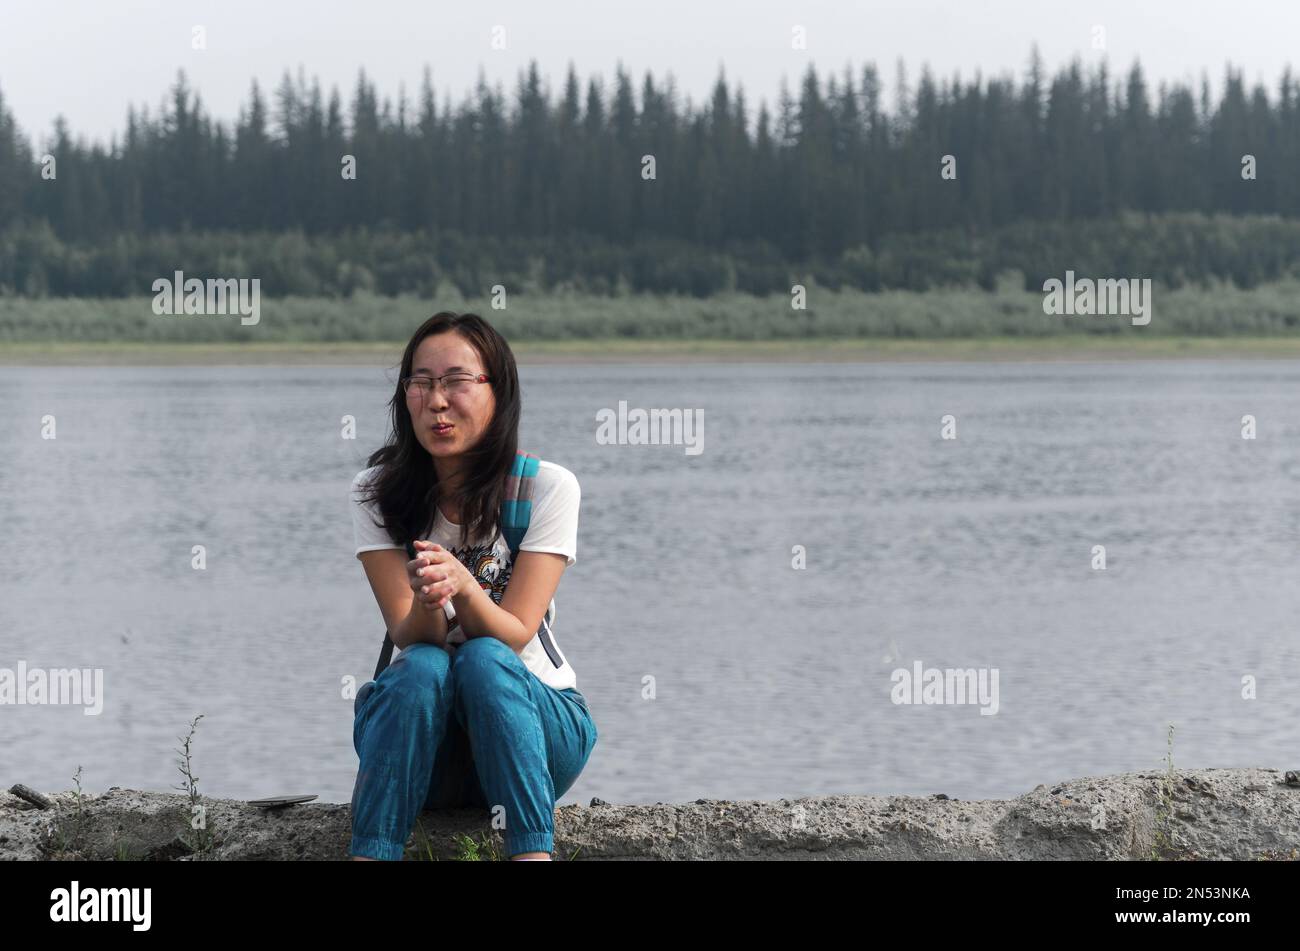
832,168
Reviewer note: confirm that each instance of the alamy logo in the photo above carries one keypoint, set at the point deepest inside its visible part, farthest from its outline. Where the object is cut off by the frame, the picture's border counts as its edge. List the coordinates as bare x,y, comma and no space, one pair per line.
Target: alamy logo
102,904
639,427
183,295
1112,297
58,686
950,685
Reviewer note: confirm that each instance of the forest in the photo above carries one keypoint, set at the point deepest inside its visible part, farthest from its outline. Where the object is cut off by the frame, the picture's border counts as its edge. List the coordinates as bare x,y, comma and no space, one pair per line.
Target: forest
622,187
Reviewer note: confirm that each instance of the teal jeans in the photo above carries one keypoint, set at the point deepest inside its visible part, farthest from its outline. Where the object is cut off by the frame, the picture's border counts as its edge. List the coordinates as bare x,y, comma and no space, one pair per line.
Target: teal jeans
474,729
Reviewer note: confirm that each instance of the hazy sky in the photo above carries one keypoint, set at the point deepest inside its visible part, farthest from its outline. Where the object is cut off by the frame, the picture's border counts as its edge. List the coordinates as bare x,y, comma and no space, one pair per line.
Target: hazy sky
88,59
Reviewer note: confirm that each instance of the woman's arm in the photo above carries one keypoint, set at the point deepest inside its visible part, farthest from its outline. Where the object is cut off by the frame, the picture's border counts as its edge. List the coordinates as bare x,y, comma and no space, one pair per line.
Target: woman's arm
533,581
406,617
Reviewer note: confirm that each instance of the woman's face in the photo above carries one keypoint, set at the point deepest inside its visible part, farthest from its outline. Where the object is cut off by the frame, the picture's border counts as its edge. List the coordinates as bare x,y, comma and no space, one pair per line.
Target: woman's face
469,412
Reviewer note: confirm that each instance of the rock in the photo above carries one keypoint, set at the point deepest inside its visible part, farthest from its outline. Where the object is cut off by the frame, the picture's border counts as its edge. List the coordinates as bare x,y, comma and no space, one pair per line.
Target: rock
127,823
37,799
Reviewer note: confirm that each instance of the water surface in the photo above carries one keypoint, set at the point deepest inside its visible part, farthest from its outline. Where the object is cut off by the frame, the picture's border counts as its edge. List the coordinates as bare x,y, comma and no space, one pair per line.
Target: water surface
769,681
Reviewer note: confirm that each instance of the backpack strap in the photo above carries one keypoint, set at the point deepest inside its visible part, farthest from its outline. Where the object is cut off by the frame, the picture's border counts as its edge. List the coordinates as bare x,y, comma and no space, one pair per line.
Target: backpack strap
516,510
517,505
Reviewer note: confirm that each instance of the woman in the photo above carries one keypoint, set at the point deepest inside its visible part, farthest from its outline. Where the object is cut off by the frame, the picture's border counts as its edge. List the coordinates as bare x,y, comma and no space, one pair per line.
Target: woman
480,707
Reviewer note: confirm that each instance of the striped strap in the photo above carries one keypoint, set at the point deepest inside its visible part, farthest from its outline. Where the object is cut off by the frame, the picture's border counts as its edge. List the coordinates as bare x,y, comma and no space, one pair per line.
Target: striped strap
516,510
517,506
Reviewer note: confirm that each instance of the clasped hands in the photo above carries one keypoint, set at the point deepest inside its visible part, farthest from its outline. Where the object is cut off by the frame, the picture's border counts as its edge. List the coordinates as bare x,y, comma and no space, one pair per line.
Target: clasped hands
436,575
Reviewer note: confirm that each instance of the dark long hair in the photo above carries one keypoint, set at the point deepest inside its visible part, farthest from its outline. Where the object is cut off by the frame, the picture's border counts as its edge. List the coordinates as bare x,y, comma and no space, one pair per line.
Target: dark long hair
406,487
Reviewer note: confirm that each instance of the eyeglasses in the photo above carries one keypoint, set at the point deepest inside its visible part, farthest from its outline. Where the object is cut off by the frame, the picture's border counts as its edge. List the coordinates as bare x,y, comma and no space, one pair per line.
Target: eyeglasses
455,384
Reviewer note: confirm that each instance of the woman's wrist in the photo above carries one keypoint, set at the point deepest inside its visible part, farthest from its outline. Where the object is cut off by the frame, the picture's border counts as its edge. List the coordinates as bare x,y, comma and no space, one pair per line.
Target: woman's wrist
423,624
466,589
470,603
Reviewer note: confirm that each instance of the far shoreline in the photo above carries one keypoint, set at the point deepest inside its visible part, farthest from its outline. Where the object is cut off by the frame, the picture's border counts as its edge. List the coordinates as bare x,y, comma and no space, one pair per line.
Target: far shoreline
1072,348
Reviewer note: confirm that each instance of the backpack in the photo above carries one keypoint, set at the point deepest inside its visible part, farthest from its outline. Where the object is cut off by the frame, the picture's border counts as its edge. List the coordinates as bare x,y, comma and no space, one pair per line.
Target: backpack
516,510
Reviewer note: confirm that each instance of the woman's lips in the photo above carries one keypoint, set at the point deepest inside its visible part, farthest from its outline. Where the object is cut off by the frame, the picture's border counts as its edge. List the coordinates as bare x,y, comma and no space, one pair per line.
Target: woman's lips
443,430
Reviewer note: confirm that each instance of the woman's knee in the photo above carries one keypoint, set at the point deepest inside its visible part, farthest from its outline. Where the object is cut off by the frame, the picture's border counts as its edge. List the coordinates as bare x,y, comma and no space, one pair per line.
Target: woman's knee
420,667
481,663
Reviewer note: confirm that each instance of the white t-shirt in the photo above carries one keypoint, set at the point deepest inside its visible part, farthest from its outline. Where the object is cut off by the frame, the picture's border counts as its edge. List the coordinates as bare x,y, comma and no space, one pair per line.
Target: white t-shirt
552,527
